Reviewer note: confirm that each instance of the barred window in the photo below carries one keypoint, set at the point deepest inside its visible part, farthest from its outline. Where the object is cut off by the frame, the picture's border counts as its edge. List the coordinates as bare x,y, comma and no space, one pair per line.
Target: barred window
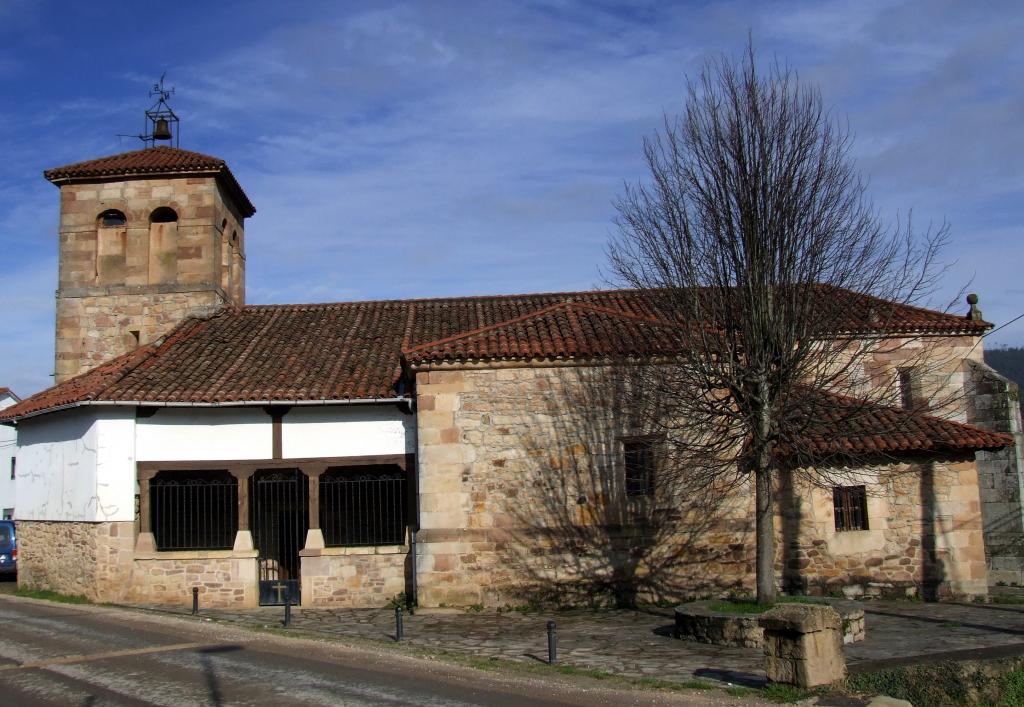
364,506
194,510
851,507
639,463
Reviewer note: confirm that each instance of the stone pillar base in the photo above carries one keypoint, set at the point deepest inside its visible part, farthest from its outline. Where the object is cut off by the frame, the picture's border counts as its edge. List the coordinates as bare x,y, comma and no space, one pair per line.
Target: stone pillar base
314,539
145,543
243,541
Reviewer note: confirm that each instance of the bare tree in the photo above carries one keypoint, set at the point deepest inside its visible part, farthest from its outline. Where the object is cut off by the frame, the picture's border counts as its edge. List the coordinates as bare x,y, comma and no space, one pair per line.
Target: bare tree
755,237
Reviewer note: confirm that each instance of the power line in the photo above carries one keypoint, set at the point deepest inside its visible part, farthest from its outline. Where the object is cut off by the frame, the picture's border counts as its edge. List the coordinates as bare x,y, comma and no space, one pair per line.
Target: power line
1003,326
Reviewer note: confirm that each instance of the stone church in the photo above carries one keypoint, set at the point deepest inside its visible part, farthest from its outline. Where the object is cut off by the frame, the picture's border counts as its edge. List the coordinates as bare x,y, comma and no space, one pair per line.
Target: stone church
352,453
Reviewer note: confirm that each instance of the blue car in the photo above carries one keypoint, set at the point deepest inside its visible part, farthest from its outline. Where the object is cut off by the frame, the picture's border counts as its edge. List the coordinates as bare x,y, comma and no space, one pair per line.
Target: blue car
8,548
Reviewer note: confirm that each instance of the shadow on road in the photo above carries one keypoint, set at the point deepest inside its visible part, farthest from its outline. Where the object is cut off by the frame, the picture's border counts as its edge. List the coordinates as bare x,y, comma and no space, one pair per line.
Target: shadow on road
210,674
733,677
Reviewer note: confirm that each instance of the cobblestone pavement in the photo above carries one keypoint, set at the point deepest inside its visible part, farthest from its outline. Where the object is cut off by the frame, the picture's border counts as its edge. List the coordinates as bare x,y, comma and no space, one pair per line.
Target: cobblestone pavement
640,643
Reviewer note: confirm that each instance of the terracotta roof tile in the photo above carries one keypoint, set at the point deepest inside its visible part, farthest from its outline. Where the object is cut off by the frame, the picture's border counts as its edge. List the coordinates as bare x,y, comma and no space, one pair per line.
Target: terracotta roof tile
80,388
152,161
563,330
353,350
824,425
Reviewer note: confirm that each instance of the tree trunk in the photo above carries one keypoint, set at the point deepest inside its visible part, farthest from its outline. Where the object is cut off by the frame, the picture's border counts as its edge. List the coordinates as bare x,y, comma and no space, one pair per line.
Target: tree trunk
765,535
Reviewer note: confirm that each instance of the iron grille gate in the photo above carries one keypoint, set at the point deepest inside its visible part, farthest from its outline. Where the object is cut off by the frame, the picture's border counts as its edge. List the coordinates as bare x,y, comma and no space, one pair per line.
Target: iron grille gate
280,519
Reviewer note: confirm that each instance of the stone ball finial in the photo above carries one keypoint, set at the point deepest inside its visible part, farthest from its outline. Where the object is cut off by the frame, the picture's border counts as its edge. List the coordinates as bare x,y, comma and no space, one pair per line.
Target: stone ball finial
974,314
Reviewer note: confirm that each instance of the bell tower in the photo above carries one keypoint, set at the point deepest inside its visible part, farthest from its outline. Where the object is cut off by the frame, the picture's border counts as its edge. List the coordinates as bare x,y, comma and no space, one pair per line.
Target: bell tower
147,238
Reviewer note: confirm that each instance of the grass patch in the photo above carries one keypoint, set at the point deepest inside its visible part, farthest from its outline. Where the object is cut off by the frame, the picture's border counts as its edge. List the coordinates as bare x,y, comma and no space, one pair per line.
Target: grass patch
1012,685
1005,599
946,683
750,606
47,595
777,692
740,691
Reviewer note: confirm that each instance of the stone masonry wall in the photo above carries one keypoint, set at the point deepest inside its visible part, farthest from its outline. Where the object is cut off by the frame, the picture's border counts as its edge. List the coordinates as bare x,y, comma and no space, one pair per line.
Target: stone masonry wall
939,366
354,577
924,535
95,329
141,277
224,578
522,499
93,560
994,404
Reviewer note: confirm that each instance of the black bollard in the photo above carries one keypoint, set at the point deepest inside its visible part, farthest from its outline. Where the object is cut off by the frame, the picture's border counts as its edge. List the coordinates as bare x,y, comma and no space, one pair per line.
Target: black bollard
288,610
399,627
551,642
195,600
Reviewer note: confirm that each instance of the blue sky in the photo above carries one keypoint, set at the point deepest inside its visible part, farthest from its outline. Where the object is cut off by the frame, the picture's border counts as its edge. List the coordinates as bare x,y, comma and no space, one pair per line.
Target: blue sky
426,149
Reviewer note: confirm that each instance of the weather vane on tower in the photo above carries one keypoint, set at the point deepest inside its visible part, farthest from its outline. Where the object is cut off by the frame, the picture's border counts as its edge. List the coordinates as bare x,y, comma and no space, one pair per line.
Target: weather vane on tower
161,120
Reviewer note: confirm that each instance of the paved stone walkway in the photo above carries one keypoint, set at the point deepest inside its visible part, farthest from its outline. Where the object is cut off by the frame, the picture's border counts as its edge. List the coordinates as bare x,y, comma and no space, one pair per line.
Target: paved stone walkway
640,643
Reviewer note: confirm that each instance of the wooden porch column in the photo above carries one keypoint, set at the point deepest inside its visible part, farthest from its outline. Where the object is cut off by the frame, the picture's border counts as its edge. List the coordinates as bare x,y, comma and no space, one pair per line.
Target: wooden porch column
145,512
243,538
315,535
145,542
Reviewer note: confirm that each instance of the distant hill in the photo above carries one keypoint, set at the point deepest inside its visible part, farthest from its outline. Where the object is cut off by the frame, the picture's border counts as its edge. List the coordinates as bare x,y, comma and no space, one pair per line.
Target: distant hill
1008,361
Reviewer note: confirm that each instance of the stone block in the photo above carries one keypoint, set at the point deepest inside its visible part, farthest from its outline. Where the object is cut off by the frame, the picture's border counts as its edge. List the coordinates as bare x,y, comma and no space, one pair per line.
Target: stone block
803,645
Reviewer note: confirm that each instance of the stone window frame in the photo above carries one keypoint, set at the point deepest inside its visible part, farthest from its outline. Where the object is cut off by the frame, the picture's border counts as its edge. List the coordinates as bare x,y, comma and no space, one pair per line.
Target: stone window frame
850,508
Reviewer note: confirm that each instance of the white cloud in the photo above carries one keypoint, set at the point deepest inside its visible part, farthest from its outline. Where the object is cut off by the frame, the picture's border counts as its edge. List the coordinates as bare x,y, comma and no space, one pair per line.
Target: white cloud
416,149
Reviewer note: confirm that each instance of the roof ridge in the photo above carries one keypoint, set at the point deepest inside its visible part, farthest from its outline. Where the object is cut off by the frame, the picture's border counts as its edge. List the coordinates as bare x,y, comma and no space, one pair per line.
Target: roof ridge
490,327
620,313
449,298
907,305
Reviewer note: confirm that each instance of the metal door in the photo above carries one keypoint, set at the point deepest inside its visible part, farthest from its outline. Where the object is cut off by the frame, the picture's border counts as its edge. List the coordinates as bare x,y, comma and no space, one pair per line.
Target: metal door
280,519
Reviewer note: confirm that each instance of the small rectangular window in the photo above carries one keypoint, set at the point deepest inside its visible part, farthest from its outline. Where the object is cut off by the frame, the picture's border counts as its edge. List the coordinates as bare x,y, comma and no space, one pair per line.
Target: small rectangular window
639,463
910,388
13,464
851,507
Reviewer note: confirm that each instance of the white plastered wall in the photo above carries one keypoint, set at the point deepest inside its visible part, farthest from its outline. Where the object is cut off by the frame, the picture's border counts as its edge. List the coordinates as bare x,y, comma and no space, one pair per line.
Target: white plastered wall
347,431
77,465
185,434
215,434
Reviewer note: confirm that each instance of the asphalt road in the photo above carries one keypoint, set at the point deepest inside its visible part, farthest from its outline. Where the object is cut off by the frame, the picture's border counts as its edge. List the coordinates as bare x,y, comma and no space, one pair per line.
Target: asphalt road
57,654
